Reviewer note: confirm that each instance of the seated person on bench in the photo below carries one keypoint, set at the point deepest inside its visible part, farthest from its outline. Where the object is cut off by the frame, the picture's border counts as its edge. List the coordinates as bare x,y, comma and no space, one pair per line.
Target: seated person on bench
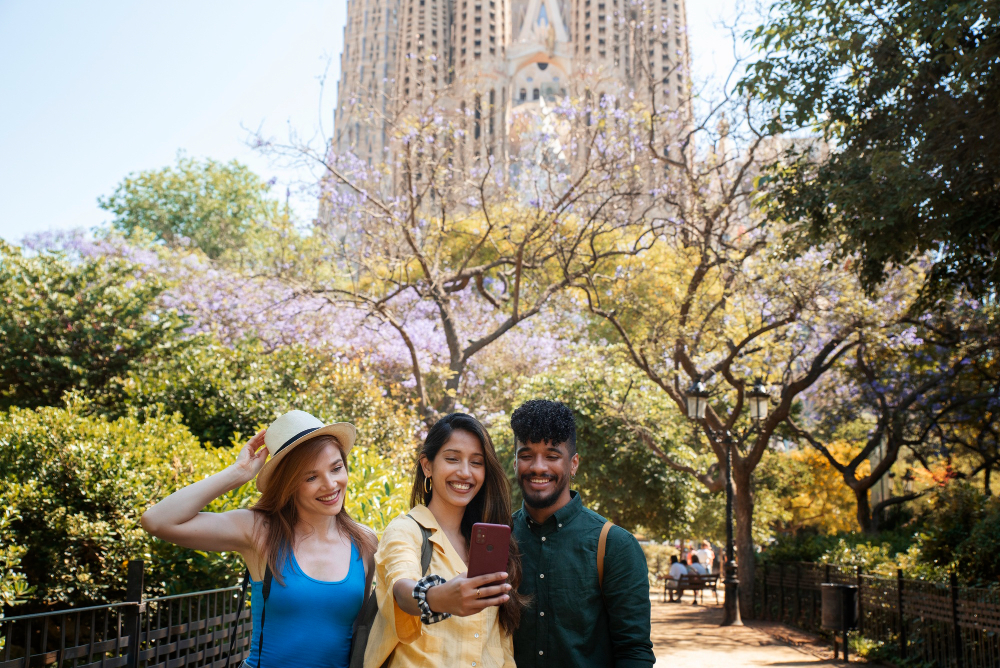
677,571
696,568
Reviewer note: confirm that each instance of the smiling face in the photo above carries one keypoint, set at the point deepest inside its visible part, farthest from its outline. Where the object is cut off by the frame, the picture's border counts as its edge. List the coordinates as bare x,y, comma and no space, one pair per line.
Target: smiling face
543,473
458,470
323,483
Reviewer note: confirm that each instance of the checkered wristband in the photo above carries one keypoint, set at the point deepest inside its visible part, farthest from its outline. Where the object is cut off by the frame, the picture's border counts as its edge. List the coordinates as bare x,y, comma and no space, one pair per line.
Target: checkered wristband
428,616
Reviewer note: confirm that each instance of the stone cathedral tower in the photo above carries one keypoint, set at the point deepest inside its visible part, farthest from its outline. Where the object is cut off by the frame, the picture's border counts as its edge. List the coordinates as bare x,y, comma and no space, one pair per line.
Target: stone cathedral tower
497,58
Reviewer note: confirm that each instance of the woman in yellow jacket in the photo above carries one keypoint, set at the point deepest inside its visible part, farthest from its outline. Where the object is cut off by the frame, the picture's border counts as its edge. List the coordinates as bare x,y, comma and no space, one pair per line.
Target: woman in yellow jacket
445,618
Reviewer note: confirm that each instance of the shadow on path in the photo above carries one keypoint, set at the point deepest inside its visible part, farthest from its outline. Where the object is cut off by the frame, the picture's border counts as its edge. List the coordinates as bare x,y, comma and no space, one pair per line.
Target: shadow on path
684,635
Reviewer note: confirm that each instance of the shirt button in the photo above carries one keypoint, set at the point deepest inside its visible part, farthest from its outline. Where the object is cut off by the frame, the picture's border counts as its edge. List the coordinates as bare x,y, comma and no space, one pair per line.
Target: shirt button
541,614
560,525
540,652
473,664
541,575
543,539
477,635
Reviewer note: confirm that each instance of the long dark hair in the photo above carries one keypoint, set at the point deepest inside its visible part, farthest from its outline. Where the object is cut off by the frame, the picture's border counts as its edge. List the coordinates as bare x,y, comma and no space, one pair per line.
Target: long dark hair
278,513
491,504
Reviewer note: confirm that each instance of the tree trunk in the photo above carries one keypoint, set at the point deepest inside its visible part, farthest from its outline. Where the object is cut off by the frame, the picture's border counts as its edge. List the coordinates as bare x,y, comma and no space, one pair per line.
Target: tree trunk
745,553
864,510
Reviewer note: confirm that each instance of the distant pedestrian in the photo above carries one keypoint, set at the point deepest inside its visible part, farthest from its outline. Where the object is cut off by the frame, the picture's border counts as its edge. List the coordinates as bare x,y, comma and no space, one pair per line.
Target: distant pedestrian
706,557
574,619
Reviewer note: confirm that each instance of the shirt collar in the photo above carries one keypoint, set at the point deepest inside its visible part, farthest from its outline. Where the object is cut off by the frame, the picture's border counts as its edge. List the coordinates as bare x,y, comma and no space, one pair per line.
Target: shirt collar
562,516
425,518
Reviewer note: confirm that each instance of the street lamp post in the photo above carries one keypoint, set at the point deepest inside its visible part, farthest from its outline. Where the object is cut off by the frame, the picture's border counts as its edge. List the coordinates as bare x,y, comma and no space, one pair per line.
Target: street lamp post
731,610
697,402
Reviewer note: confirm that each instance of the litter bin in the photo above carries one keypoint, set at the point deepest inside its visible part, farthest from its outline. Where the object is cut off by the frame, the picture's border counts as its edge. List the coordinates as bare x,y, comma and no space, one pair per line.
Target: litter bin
840,611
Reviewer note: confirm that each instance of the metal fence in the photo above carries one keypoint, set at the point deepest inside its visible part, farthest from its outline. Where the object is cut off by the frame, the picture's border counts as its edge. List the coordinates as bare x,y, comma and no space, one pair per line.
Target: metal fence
167,632
938,624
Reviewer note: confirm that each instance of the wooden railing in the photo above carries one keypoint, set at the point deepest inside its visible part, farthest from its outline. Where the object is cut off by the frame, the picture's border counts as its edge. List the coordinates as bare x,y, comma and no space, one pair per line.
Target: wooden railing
939,624
166,632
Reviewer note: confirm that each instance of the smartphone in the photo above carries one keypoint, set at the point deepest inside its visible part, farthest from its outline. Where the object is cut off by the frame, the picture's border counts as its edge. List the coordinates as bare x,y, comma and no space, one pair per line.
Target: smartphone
490,549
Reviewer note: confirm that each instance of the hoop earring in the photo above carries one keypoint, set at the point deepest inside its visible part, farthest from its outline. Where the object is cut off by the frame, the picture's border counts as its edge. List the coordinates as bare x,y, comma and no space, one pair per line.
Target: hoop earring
428,484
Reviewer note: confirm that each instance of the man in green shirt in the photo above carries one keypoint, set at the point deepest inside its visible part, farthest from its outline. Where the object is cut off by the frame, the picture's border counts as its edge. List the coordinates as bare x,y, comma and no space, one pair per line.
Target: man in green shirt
570,620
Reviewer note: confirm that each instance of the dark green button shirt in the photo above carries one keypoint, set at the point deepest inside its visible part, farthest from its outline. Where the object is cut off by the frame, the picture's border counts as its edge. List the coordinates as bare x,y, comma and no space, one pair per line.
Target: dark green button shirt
568,622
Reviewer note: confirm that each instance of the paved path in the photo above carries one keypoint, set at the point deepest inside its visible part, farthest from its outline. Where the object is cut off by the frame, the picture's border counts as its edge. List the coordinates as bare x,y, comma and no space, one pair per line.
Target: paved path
687,636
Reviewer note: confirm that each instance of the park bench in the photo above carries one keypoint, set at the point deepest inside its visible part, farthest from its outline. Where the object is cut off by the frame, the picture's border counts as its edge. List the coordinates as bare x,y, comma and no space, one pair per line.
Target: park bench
695,584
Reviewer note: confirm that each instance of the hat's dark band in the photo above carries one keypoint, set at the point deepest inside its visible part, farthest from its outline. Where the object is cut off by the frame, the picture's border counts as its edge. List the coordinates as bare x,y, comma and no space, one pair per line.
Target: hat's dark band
294,438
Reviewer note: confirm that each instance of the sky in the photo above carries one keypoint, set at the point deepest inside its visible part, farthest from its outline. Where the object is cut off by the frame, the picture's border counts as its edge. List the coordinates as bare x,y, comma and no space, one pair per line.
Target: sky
93,91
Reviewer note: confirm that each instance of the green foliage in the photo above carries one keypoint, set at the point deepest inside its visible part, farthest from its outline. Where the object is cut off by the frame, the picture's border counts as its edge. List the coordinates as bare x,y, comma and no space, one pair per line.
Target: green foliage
906,93
66,325
978,558
960,533
879,554
379,489
963,534
220,391
73,487
657,561
619,475
777,478
14,587
78,486
215,206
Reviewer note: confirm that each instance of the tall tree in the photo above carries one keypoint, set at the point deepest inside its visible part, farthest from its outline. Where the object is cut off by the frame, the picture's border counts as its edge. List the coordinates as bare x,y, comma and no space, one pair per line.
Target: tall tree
913,381
906,92
715,301
449,235
211,205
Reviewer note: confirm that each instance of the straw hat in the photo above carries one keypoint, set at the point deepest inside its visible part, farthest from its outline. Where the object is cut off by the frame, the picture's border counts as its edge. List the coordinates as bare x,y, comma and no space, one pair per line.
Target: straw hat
297,427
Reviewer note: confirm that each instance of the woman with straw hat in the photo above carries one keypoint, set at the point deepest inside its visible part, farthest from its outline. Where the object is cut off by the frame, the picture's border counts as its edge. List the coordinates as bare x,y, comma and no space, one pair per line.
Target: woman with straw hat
297,534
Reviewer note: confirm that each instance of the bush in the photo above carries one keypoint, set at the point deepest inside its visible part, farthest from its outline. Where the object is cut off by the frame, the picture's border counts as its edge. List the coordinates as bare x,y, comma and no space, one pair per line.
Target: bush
66,325
74,487
978,557
220,391
960,533
873,554
657,561
963,534
14,587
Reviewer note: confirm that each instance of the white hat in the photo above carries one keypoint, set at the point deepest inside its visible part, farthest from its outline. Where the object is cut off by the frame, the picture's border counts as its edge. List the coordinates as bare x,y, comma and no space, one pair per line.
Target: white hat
297,427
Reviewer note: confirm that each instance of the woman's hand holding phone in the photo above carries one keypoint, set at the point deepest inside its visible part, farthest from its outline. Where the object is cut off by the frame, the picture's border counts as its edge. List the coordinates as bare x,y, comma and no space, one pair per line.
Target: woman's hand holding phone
463,596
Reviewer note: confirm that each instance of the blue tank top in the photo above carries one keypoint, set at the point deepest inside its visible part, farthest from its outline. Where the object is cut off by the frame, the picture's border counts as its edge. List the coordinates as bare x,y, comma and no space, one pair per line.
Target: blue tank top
308,622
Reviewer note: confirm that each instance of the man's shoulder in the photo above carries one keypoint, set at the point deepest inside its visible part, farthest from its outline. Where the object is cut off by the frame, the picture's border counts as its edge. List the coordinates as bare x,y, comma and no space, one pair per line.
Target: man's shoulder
617,534
619,538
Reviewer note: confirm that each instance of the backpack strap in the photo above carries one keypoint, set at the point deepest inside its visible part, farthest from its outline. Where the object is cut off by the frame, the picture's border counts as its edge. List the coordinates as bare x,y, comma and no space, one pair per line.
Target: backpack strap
426,551
239,611
266,591
602,544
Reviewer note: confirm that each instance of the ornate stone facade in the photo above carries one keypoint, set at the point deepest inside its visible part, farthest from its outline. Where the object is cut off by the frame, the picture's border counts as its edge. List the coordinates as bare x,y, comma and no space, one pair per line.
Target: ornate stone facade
497,58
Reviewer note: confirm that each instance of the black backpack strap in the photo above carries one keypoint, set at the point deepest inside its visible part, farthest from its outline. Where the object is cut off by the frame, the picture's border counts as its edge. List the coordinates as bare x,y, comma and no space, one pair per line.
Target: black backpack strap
426,551
239,611
266,591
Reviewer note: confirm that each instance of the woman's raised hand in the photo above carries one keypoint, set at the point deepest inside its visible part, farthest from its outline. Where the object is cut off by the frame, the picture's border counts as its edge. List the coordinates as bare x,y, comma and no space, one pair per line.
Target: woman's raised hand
463,596
252,457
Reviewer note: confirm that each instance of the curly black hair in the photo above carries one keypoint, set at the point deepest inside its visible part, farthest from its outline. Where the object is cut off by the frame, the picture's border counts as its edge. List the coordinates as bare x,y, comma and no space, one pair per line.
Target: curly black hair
541,420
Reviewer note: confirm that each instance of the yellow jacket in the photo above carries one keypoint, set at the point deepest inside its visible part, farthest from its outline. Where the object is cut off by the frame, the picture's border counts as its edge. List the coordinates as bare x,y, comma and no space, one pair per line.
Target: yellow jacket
476,641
